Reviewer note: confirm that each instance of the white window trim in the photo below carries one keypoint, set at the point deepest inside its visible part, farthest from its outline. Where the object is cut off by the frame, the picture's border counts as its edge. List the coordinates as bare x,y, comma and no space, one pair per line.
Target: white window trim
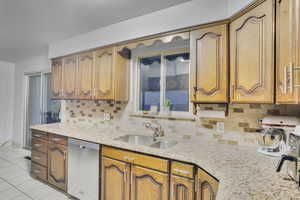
136,84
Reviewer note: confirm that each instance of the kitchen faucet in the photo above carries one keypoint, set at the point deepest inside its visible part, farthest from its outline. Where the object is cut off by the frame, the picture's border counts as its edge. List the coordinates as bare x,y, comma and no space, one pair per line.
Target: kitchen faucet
158,130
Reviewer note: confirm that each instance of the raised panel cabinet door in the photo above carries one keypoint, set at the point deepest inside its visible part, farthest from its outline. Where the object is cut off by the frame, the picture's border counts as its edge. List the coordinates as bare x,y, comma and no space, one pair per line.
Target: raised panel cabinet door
288,51
57,66
115,180
209,64
85,76
57,166
182,188
206,186
103,74
69,77
148,184
252,55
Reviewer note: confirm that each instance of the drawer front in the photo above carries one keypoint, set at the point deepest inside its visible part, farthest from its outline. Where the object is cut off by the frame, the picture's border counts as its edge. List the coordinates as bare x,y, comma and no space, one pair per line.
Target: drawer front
39,145
40,158
40,135
39,171
182,169
136,158
58,139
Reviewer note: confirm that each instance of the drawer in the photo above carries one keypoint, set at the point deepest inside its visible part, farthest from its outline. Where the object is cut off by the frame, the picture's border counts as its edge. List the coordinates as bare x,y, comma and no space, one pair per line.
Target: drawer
40,135
182,169
39,145
40,158
58,139
39,171
136,158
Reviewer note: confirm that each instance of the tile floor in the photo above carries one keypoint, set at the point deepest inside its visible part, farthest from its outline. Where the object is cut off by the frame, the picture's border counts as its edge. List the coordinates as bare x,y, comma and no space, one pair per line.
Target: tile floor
15,181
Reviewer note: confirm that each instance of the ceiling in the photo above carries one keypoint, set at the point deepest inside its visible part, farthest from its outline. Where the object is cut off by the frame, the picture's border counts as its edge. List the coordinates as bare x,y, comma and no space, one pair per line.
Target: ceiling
28,26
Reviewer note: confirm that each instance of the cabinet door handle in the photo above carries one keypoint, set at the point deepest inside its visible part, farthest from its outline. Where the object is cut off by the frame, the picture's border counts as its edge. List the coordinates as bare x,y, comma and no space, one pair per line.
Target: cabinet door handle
125,175
65,155
172,191
37,145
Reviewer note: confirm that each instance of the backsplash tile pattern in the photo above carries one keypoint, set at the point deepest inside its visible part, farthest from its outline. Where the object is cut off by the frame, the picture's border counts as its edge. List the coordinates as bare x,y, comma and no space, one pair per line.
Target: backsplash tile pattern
241,124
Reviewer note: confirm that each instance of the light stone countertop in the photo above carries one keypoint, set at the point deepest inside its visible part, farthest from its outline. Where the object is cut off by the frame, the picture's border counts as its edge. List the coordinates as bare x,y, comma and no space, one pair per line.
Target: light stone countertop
243,173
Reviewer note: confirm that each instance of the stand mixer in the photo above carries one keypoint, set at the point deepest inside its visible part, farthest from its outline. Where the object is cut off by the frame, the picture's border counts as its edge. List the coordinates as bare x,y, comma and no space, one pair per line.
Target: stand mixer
275,133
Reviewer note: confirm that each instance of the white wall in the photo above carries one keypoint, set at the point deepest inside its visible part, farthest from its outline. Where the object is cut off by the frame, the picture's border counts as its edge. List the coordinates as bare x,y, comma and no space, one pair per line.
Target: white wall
7,96
192,13
36,64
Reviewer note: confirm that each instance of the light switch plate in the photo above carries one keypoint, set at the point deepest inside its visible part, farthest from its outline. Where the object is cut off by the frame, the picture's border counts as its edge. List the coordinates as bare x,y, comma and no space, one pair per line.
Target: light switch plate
106,116
220,127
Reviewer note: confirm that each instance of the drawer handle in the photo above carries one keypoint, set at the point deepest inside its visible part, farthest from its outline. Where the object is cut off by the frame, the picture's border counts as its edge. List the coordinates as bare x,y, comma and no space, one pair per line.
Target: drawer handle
128,158
56,139
38,135
181,171
37,171
37,145
36,158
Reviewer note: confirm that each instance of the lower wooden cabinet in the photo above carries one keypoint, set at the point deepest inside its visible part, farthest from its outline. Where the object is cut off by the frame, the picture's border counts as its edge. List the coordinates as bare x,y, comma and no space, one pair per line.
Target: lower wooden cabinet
115,180
206,186
57,166
182,188
147,184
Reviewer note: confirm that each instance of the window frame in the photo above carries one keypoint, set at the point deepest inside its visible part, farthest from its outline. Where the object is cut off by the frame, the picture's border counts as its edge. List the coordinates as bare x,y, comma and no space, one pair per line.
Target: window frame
163,71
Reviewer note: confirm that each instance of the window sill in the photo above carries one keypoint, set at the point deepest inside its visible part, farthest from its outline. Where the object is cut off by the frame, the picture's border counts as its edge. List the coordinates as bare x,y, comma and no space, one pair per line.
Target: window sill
150,116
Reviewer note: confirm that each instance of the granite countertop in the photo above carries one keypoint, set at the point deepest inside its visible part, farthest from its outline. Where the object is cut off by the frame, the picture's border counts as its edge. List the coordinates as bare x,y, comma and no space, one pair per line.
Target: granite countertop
243,173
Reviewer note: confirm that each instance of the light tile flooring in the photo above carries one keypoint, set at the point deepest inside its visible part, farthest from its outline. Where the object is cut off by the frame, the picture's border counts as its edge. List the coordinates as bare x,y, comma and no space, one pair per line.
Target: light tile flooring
16,182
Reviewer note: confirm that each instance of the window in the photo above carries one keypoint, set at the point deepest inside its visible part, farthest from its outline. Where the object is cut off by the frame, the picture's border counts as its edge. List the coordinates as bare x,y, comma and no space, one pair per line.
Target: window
163,82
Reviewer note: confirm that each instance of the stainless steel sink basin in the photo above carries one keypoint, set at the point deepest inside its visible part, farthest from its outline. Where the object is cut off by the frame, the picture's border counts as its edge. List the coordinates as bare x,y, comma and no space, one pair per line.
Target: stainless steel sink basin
164,144
137,139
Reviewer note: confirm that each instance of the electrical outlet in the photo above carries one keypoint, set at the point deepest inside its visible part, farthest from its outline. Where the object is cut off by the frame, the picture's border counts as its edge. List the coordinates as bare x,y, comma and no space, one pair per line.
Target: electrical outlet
106,116
220,127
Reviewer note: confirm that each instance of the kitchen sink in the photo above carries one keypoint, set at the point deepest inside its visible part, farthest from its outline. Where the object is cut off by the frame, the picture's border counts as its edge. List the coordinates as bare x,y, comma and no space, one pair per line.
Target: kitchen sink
137,139
147,141
164,144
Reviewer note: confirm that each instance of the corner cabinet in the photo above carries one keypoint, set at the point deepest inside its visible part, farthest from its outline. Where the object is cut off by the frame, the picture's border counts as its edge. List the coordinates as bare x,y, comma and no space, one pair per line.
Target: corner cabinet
252,55
209,64
206,186
288,51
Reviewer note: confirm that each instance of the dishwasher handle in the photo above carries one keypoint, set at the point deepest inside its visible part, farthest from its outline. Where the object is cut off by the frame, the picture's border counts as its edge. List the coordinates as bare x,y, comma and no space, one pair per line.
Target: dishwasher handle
82,147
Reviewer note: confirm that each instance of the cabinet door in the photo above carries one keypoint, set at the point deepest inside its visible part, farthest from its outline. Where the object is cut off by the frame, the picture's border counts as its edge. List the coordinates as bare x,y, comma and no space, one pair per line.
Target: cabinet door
115,180
57,66
209,66
57,166
252,55
182,188
69,77
288,51
148,184
103,74
206,186
84,76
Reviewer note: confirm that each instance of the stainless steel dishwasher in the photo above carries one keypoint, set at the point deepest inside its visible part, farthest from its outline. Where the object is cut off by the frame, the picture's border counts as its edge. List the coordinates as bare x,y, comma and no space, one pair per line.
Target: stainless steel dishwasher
83,169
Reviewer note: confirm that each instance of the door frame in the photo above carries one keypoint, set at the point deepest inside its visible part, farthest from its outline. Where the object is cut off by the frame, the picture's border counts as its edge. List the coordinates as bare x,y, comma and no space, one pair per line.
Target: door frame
26,76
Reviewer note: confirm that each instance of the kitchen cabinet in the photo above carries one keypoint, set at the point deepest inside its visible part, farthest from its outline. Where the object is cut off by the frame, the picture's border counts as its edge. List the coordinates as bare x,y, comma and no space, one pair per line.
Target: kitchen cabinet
57,166
57,66
206,186
69,73
182,188
115,179
209,64
147,184
288,51
252,55
104,74
84,76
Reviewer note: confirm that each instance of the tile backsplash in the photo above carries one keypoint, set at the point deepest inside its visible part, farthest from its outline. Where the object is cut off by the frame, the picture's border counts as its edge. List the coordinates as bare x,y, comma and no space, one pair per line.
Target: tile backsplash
241,124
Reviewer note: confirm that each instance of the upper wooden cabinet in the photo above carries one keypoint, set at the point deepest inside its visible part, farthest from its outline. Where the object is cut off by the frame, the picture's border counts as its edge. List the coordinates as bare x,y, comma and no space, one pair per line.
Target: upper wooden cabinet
84,78
69,73
104,74
288,51
252,55
96,75
209,64
57,66
206,186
